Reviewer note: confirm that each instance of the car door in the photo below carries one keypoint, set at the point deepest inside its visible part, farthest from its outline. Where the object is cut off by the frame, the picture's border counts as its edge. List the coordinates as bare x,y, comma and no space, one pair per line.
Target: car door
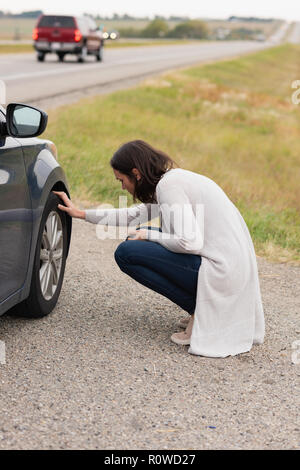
15,217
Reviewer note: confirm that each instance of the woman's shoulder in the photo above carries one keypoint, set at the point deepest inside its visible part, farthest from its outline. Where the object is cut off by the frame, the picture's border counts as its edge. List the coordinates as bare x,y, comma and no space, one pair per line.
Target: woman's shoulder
176,176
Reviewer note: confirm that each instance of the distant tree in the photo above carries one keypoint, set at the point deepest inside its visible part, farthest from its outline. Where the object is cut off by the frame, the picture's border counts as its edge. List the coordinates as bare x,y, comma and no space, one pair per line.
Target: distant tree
178,18
130,32
156,29
30,14
127,17
250,18
193,29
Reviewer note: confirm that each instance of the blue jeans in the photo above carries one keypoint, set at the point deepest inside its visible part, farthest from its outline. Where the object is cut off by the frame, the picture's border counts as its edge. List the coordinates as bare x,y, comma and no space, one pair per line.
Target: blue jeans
173,275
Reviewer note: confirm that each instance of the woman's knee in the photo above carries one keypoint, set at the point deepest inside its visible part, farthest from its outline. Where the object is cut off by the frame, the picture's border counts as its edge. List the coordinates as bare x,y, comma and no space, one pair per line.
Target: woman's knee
121,253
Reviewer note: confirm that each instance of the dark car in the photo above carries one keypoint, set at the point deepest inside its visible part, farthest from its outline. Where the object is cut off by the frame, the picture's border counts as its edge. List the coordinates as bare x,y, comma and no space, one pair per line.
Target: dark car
34,234
63,35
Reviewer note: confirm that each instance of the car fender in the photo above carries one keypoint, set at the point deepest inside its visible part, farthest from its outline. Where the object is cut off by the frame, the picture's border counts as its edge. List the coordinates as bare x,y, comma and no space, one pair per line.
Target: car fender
44,174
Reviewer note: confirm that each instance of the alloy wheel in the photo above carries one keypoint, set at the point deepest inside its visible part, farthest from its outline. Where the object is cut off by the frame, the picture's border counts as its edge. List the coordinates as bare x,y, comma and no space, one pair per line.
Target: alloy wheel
51,255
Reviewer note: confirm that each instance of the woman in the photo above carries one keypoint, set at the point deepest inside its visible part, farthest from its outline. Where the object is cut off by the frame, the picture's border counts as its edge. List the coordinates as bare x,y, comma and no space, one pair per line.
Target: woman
203,257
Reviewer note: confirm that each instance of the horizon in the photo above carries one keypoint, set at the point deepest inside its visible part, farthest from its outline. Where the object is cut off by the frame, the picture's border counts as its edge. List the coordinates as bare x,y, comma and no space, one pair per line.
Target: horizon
139,17
215,9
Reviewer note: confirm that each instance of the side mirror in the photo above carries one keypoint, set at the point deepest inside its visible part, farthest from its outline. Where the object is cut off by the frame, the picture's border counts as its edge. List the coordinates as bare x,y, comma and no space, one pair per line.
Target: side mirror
25,121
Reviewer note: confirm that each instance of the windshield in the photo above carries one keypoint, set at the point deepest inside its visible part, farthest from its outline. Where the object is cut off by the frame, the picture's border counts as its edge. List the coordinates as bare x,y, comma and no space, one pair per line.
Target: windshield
57,22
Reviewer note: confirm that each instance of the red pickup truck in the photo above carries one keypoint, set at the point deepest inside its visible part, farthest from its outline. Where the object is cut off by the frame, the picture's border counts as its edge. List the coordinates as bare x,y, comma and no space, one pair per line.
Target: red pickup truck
67,35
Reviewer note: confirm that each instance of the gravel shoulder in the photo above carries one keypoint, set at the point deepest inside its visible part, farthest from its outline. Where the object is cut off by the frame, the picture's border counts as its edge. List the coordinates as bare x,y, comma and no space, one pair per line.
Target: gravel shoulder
101,373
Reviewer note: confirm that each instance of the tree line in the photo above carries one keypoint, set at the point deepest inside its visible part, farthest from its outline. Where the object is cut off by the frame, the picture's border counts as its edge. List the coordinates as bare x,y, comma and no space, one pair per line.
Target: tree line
24,14
158,28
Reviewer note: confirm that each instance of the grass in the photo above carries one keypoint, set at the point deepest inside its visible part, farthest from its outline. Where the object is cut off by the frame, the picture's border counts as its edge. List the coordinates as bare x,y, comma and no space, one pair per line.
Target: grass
11,28
232,121
19,48
150,42
15,48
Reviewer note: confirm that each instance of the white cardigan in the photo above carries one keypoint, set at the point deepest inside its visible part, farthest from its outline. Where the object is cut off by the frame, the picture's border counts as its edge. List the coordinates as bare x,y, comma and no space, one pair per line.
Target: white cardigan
229,315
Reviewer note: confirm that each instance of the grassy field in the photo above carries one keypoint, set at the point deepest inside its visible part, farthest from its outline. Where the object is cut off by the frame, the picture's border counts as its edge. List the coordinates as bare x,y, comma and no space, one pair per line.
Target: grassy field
15,48
267,28
10,28
232,121
21,48
21,28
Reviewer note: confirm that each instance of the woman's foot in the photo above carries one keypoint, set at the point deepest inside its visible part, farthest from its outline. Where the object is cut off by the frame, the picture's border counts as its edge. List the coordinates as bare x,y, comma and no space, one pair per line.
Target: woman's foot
185,336
183,322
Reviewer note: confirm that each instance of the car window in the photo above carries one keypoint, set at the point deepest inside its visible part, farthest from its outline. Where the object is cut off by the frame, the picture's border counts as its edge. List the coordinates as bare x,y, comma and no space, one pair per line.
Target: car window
56,22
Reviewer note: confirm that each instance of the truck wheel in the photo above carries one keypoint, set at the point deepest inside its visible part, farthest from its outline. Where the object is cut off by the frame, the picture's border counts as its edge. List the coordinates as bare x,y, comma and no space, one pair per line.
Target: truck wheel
41,56
60,56
49,263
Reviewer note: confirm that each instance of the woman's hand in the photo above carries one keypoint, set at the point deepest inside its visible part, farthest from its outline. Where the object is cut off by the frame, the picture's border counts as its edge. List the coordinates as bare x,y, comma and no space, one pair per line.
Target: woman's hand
69,207
138,235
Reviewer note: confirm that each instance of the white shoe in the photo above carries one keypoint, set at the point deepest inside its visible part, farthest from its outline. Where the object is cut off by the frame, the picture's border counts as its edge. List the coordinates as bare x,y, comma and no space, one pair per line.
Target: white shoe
183,322
184,337
181,338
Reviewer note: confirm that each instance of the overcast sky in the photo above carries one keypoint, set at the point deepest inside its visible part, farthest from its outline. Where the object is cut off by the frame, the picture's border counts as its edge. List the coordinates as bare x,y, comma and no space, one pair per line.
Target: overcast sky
287,9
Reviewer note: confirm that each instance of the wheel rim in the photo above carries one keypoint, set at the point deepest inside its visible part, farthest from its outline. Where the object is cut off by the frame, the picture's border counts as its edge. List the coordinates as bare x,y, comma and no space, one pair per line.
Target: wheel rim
51,255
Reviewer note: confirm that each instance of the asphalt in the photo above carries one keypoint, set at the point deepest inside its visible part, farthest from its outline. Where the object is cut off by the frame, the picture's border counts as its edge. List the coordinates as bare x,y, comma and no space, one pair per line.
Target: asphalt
33,82
101,372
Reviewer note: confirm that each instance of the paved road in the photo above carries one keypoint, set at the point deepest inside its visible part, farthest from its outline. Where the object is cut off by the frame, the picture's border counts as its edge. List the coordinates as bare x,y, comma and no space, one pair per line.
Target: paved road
30,81
101,371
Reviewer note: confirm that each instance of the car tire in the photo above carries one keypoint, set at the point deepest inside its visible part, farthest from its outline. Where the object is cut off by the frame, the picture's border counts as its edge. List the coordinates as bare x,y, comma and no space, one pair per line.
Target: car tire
82,55
99,55
60,56
41,56
49,263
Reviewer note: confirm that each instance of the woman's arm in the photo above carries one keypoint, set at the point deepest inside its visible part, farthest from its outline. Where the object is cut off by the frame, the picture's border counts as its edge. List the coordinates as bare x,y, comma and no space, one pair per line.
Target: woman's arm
68,206
183,224
124,217
113,217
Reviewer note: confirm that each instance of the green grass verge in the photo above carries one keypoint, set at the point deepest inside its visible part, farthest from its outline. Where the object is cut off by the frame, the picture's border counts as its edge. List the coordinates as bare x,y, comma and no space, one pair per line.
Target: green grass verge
151,42
19,48
232,121
15,48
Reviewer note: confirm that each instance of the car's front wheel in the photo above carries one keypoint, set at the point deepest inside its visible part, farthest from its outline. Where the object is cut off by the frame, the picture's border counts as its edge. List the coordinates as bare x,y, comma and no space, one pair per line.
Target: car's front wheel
49,263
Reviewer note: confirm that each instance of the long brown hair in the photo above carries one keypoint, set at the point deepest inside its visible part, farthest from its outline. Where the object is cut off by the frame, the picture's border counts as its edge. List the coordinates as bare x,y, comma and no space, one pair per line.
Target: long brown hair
150,162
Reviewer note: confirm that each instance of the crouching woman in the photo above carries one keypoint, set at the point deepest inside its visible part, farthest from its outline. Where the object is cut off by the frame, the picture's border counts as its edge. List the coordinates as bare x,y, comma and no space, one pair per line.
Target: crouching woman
202,258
